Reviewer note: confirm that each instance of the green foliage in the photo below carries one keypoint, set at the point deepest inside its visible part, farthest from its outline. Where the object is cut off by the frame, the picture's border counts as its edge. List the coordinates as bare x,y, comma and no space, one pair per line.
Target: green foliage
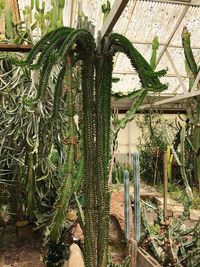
193,109
170,242
126,263
41,22
152,144
118,171
9,25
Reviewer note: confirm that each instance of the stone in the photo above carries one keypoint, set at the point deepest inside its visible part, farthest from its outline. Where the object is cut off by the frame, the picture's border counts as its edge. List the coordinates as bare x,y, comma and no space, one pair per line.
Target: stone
117,212
169,213
77,233
71,215
178,210
75,258
194,215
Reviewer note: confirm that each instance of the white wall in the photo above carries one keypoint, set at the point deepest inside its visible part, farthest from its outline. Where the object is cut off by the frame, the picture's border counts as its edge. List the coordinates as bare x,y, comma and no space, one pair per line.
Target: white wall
128,137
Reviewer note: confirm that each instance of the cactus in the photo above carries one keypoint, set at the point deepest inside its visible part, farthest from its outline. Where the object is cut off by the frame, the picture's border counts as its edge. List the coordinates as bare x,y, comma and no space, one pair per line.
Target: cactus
136,168
126,205
105,10
2,6
9,25
138,95
193,105
170,243
180,159
96,83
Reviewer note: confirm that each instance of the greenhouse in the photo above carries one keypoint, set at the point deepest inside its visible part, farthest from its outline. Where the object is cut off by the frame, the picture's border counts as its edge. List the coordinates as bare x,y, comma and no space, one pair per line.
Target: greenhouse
100,133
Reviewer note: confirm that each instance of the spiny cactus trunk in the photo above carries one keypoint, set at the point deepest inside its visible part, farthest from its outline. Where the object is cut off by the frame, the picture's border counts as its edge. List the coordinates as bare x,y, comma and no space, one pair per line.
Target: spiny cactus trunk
30,185
67,168
193,105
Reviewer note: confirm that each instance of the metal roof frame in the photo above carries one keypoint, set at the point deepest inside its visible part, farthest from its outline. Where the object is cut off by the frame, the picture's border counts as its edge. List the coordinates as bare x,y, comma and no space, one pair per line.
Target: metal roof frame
110,22
116,11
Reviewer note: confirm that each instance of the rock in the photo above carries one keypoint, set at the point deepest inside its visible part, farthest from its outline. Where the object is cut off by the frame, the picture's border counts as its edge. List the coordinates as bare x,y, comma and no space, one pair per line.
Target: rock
194,215
75,258
77,233
169,213
116,234
117,216
71,215
178,210
150,216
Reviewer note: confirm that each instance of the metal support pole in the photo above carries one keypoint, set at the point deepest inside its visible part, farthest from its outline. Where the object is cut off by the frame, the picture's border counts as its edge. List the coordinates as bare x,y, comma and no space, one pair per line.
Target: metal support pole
136,174
165,159
126,205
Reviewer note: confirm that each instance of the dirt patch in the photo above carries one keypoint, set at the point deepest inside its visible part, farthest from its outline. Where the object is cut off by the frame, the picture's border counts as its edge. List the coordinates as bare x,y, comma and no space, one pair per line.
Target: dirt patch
23,255
27,253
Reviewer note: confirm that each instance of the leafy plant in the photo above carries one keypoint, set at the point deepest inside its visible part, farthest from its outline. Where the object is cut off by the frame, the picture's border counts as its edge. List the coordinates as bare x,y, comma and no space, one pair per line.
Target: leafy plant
152,143
169,242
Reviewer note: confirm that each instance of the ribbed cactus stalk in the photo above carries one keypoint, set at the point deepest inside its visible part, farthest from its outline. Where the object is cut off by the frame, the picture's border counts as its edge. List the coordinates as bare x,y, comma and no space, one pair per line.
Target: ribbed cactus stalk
193,105
2,6
127,205
9,25
136,175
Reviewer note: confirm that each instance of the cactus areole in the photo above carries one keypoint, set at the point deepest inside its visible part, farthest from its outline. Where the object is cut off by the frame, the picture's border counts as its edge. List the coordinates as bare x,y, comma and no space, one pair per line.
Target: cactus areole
96,62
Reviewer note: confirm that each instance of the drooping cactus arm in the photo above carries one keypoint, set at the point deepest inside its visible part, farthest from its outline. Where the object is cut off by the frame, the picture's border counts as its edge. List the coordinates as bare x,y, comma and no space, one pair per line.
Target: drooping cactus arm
77,37
58,90
38,47
148,78
54,42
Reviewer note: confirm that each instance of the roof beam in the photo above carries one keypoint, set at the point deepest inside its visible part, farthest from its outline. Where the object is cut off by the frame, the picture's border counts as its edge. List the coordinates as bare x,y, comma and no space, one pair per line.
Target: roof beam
113,16
164,44
172,99
15,48
181,2
176,71
135,73
173,32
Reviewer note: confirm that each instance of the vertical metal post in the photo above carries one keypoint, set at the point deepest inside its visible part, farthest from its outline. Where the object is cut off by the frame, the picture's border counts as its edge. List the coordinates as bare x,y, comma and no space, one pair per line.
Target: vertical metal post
165,159
126,205
136,174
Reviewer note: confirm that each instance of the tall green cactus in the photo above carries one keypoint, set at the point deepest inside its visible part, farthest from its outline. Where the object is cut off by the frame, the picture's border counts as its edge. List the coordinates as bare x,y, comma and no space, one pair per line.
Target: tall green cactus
96,82
136,168
193,105
126,205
